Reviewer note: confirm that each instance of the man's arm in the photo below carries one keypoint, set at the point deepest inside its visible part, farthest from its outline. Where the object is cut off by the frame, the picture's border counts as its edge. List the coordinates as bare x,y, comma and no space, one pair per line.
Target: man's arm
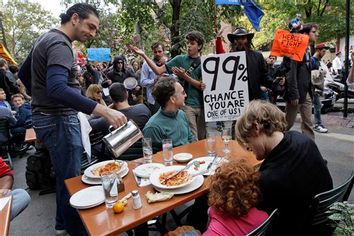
6,176
58,89
157,69
181,73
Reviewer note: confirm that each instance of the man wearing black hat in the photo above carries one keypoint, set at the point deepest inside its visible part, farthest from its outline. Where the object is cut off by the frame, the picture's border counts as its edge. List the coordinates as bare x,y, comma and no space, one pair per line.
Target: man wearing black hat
241,40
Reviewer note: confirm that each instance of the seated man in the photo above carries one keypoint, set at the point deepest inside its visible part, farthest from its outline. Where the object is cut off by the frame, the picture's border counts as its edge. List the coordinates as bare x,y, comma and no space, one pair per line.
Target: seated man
169,121
20,198
139,113
6,114
24,118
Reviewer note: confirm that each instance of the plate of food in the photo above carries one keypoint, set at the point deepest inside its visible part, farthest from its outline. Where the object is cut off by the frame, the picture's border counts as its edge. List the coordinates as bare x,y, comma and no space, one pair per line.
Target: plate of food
201,164
195,184
182,157
145,170
163,178
92,181
95,171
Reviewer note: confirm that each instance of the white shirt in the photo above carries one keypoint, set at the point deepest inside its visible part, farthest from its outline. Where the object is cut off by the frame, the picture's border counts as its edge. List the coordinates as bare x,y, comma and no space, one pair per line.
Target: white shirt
337,64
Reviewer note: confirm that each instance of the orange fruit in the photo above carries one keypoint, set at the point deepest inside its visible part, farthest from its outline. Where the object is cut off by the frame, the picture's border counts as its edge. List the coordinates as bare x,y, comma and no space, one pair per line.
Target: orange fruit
118,207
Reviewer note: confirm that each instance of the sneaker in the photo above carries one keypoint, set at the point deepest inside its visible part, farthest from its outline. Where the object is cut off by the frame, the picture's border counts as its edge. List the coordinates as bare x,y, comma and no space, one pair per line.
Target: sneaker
320,129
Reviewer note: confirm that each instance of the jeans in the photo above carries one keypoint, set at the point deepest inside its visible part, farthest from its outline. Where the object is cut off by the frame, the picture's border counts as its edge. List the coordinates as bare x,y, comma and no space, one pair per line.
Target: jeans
317,108
61,135
20,200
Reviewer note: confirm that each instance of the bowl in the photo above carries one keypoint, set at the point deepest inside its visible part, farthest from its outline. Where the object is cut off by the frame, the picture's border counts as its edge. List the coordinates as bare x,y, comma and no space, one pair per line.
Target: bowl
182,157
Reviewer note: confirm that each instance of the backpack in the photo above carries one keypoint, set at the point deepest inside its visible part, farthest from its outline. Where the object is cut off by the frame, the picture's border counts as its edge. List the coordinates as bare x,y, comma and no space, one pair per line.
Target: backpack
39,171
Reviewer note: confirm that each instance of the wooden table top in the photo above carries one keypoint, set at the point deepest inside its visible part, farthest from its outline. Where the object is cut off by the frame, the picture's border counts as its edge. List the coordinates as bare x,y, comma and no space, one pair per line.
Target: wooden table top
30,136
102,221
5,218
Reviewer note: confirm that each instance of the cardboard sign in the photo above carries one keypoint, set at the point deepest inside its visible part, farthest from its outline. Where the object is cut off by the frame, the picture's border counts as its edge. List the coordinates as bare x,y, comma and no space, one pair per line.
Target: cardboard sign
99,54
290,44
226,93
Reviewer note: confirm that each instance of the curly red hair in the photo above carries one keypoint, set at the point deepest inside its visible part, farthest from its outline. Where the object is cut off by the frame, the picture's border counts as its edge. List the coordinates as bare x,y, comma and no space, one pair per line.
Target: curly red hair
233,189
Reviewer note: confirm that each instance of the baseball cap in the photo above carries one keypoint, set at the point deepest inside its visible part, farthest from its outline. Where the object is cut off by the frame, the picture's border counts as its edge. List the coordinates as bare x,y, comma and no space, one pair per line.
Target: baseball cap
321,46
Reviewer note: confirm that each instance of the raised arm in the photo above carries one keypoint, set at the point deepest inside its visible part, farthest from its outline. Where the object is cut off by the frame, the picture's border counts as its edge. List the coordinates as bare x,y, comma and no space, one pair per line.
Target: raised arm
157,69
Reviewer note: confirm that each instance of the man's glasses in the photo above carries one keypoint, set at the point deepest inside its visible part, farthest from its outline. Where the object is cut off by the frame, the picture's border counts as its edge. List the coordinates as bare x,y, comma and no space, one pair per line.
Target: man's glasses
120,62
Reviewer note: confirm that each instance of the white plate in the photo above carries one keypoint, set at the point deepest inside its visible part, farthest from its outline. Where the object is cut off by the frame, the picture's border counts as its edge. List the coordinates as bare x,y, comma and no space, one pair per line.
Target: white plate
88,197
183,157
196,183
154,177
145,170
88,171
204,166
92,181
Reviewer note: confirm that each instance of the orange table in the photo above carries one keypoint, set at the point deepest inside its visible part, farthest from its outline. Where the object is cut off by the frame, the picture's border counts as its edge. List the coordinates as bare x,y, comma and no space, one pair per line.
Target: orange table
102,221
5,218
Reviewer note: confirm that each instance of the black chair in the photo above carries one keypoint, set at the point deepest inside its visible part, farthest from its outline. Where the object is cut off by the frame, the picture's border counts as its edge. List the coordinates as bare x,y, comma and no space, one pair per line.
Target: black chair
5,144
264,228
319,224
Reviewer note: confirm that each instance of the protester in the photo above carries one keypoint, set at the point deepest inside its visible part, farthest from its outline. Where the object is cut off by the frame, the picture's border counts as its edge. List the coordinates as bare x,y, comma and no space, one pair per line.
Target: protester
149,78
56,98
20,198
6,114
188,69
317,79
3,101
337,64
298,95
169,121
7,80
293,170
350,79
233,196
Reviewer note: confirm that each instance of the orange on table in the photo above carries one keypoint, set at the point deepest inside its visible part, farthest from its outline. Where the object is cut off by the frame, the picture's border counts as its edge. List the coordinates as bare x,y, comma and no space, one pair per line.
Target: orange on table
118,207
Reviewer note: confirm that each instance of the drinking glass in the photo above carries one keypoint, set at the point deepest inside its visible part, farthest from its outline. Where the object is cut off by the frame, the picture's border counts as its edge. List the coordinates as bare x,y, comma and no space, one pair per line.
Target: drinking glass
110,188
167,152
226,137
211,143
147,150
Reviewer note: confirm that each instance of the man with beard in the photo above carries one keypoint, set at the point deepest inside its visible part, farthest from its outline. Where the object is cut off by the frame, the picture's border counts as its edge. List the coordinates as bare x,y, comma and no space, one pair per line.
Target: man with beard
148,77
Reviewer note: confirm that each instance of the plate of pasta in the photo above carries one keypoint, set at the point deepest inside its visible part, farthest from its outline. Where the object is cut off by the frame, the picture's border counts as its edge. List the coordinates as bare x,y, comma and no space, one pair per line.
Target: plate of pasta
95,171
162,178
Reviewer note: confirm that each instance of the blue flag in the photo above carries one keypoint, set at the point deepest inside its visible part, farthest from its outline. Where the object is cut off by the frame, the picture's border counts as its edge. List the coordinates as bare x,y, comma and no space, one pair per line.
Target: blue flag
253,12
228,2
98,54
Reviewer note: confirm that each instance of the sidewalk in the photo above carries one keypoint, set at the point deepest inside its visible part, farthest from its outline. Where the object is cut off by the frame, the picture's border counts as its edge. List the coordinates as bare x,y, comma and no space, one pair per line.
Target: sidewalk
336,146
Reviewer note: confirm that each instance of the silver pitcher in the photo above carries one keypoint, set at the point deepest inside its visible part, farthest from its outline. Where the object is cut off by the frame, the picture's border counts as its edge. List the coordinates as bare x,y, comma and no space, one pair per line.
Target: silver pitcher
119,140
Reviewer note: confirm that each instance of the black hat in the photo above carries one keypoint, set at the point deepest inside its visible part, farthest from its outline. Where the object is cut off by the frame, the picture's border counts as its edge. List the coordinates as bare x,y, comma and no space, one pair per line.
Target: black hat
240,31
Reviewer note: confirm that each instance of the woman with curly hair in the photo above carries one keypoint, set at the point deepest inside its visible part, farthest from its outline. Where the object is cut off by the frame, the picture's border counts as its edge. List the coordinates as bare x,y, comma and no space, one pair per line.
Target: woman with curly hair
233,195
293,170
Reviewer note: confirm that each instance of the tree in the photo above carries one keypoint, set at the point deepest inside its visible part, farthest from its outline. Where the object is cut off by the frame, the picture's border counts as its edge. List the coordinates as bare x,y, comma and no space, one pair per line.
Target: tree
23,23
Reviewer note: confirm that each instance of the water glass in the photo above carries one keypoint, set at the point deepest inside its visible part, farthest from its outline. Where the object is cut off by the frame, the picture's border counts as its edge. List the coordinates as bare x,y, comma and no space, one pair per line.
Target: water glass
167,152
226,137
211,143
110,188
147,150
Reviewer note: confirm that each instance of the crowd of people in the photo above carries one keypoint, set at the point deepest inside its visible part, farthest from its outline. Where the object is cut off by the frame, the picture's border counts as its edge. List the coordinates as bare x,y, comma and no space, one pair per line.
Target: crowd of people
165,99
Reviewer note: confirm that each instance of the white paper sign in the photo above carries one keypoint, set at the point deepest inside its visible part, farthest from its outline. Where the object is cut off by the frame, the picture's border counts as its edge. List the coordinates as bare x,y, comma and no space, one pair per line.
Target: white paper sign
226,93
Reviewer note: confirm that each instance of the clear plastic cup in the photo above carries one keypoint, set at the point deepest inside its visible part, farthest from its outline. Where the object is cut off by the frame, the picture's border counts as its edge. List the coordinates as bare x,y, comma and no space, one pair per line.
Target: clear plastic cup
110,188
147,150
167,152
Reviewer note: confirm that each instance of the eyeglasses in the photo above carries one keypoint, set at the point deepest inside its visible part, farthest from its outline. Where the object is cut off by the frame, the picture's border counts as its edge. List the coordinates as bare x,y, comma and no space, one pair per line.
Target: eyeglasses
120,62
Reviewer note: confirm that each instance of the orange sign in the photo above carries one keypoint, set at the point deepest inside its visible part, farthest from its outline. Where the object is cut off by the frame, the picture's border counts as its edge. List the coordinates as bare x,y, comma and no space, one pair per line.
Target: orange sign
290,44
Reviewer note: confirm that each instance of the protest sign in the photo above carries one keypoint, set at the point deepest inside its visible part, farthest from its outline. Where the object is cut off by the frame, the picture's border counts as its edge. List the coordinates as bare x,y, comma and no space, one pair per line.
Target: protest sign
290,44
226,93
99,54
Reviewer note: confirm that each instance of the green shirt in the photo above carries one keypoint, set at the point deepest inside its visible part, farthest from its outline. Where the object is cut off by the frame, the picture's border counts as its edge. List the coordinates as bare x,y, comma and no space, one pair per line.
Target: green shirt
194,95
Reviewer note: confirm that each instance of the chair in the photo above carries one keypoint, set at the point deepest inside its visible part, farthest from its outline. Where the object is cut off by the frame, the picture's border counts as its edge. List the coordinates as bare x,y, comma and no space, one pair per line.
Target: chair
263,229
5,144
319,222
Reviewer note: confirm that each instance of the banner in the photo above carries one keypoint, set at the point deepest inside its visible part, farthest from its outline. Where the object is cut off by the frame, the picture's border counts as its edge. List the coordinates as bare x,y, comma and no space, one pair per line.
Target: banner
6,55
290,44
99,54
226,93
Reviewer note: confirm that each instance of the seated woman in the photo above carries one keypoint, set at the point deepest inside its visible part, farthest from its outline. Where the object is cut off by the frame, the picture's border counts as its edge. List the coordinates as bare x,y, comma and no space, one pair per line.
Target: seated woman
233,195
293,170
94,91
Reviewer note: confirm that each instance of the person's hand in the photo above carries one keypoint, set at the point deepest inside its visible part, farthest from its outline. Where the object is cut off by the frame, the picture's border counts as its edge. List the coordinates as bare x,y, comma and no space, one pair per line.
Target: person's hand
136,50
294,102
179,71
4,192
115,118
281,81
264,89
137,88
202,85
220,31
109,82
